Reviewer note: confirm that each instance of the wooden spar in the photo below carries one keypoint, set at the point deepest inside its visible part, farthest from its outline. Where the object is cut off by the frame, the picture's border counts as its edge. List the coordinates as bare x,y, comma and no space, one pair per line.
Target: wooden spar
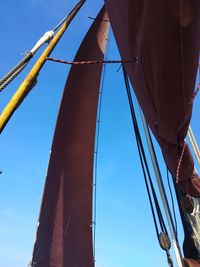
30,79
14,72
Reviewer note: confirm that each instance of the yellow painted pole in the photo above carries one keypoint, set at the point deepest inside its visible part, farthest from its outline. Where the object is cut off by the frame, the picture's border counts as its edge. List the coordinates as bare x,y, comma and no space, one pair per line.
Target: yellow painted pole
31,77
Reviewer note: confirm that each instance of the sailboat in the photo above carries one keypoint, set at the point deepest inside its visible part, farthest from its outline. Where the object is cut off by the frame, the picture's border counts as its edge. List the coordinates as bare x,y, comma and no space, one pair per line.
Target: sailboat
152,56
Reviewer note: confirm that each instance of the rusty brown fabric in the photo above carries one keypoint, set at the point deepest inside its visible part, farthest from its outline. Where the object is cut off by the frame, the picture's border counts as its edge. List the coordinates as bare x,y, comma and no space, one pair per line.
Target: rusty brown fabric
165,36
64,236
191,263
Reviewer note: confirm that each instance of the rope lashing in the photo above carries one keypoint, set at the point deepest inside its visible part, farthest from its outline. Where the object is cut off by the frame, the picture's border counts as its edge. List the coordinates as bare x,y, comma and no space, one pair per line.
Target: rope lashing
46,38
88,62
21,92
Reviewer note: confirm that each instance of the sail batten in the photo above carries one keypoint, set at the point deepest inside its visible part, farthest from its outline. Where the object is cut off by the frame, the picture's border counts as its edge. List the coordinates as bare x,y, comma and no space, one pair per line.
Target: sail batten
64,235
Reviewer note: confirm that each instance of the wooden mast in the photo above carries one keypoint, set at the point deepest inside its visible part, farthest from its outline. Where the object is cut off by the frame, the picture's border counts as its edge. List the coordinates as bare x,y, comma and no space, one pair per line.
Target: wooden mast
30,79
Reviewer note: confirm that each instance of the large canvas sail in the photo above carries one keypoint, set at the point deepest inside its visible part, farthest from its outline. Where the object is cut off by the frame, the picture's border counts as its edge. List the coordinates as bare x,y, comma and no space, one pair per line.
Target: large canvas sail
64,235
165,36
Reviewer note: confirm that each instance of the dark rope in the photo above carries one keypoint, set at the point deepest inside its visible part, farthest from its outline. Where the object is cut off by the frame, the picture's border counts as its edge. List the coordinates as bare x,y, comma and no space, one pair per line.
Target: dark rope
173,206
28,55
12,77
141,151
169,259
119,68
65,18
158,168
156,160
15,71
134,60
144,165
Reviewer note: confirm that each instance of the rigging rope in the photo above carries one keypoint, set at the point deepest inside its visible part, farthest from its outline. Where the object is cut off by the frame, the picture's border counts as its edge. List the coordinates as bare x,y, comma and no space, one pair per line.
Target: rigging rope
15,71
92,61
156,161
142,155
173,206
194,144
12,77
21,92
162,237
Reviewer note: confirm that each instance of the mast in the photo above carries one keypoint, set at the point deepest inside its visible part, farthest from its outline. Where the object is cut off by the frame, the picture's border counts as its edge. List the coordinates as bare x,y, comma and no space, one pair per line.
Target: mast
14,72
31,78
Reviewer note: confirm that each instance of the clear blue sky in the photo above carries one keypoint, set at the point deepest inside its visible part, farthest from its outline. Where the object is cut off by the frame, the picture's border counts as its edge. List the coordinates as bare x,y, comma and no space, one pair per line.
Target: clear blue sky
125,231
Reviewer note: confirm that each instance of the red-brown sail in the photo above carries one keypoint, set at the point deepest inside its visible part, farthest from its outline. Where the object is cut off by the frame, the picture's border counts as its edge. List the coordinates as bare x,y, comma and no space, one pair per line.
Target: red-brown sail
64,235
165,36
